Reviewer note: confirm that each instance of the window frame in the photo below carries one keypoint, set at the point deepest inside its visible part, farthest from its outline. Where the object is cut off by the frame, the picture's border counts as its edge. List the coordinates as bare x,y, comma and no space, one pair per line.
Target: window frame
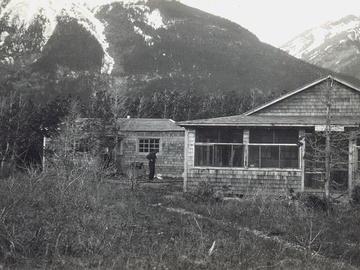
279,145
147,138
214,144
246,152
274,144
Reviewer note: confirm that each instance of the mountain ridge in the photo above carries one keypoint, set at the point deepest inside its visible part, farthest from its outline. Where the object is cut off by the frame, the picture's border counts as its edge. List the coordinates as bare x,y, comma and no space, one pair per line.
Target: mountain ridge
334,45
160,47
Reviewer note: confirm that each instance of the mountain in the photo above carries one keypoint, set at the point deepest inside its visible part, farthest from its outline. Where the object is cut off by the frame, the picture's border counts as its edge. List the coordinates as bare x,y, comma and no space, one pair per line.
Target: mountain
159,46
334,45
56,15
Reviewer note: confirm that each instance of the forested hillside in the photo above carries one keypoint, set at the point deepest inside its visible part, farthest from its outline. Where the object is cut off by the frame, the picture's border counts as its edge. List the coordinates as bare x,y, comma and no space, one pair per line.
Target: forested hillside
144,59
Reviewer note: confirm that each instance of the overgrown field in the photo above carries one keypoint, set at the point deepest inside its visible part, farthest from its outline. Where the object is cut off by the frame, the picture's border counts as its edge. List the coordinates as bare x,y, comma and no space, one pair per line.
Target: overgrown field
78,222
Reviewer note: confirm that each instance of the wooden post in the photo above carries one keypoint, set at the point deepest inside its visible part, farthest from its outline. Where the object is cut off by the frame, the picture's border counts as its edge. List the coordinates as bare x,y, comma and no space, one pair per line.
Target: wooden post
246,139
186,148
43,154
302,158
352,161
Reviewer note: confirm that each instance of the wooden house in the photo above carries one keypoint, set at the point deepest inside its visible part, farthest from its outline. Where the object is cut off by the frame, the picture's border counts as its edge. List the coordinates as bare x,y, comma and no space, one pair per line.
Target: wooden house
272,147
125,144
139,136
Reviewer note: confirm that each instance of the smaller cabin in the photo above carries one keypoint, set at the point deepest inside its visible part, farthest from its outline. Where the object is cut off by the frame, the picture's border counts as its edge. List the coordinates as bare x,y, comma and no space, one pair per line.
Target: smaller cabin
123,145
139,136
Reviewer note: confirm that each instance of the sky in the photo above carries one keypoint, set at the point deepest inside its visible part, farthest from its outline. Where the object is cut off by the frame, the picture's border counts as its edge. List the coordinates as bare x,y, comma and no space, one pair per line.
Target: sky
278,21
272,21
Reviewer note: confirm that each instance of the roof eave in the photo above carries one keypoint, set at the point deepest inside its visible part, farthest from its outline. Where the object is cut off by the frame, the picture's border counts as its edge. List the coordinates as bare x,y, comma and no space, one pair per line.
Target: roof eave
148,130
258,125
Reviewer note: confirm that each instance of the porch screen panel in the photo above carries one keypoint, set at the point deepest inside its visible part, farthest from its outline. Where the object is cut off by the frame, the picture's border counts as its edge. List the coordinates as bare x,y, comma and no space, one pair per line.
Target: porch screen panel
219,147
274,136
204,155
207,135
289,157
228,156
274,148
290,136
222,155
237,158
269,156
254,156
219,135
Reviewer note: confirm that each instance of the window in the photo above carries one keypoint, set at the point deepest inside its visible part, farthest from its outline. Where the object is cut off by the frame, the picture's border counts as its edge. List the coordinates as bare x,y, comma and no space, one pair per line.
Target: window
219,135
149,145
273,148
274,136
219,147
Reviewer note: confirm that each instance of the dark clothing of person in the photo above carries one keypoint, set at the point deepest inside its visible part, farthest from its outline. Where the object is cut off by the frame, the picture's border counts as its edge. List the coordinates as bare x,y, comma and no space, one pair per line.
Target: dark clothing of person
152,159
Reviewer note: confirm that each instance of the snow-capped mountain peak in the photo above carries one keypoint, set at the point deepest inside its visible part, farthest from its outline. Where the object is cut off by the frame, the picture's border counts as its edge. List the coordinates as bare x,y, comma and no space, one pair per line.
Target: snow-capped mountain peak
25,12
307,43
333,45
22,12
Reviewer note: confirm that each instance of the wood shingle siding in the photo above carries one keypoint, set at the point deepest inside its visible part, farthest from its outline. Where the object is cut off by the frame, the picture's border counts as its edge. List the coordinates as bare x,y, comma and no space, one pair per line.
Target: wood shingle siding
170,160
242,181
311,102
238,180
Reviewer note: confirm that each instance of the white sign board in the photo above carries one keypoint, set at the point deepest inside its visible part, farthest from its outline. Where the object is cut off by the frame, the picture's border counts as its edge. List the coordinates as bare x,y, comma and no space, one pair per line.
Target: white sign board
332,128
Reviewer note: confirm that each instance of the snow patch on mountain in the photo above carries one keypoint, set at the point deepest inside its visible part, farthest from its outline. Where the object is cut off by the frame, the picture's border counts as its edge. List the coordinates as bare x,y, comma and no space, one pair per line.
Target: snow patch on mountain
25,12
334,45
141,13
22,12
342,27
3,37
307,44
154,19
148,39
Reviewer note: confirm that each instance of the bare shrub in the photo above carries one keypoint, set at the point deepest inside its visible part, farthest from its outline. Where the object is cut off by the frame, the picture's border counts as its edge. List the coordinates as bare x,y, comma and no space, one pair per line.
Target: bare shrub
204,191
355,195
47,216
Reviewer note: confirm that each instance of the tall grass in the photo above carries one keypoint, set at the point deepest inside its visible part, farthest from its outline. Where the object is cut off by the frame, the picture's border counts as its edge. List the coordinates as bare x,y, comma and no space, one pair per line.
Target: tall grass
44,216
326,228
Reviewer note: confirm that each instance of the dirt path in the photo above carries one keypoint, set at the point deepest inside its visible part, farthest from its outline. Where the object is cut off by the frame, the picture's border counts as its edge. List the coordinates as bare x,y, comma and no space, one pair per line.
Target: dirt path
261,235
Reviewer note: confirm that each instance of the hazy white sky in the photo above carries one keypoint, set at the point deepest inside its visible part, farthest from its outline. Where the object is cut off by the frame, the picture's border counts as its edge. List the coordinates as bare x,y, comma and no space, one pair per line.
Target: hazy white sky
277,21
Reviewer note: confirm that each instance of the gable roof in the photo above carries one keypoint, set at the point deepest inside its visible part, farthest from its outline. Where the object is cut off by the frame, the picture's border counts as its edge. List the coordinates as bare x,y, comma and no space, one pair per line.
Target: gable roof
269,121
330,77
147,124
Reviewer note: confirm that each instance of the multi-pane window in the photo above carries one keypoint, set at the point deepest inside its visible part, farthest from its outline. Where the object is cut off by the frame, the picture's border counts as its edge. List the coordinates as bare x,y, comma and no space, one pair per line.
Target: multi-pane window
219,147
148,145
273,148
267,148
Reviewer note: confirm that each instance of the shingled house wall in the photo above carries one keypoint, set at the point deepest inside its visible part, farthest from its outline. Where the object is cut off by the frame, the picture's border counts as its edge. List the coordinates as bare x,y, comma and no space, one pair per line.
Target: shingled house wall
170,160
303,109
311,102
237,181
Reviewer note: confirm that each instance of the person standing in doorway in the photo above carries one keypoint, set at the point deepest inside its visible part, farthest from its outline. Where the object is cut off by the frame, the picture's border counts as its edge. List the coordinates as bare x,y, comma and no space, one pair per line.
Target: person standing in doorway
152,159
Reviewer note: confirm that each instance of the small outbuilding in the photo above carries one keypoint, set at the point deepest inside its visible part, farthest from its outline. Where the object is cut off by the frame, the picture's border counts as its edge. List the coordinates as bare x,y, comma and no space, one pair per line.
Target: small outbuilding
122,145
139,136
279,146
